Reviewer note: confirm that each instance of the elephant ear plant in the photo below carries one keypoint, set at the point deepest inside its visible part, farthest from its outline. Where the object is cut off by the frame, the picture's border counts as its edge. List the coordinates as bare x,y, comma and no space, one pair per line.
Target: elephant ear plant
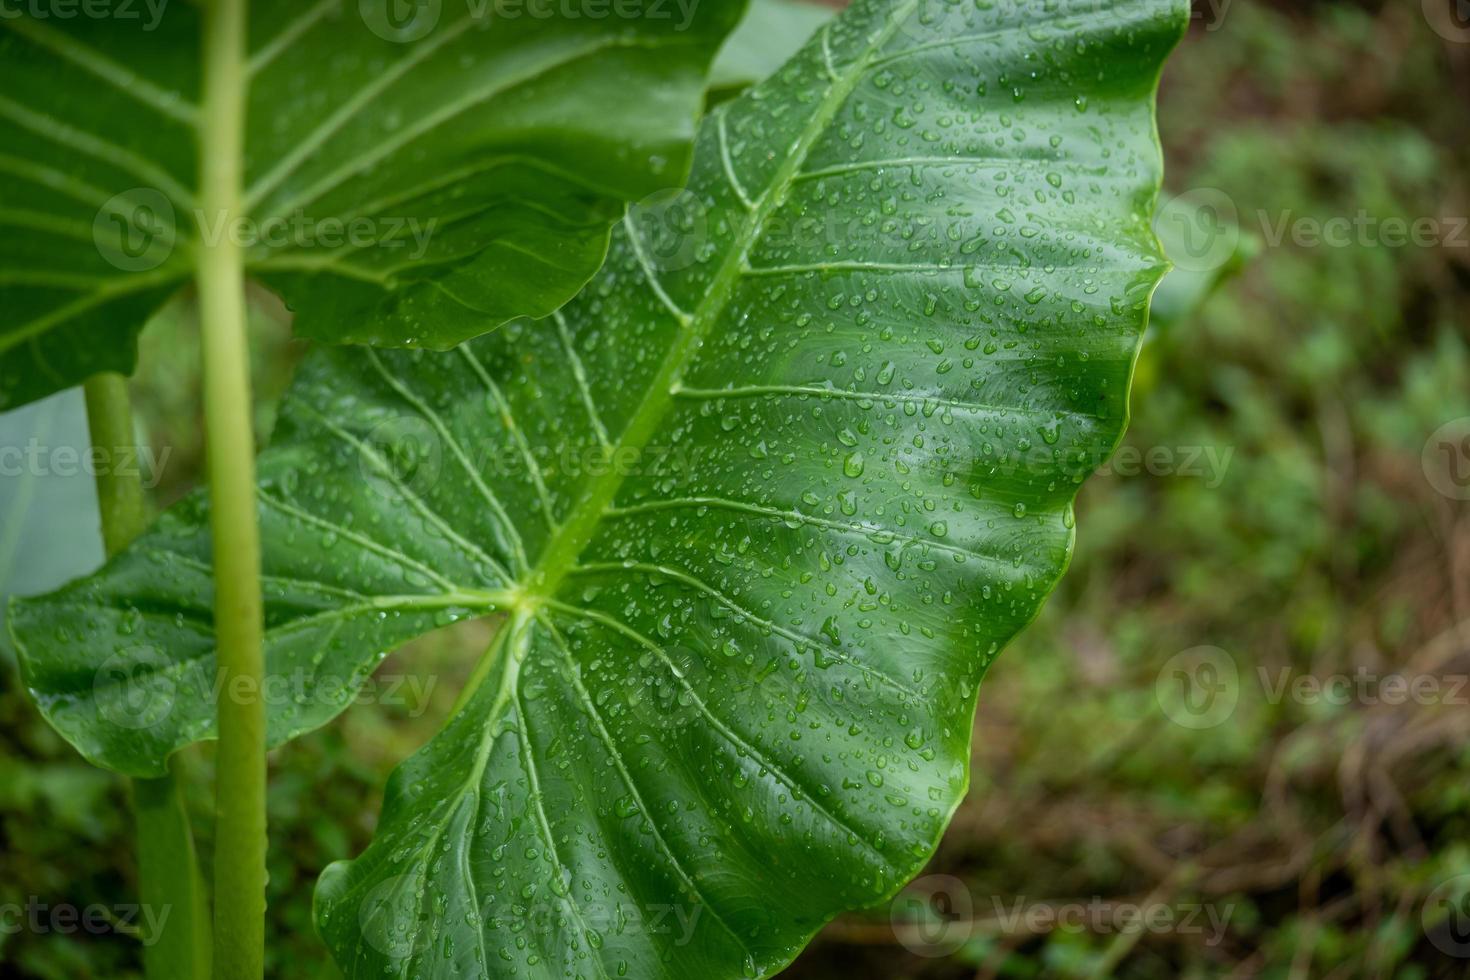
397,181
756,509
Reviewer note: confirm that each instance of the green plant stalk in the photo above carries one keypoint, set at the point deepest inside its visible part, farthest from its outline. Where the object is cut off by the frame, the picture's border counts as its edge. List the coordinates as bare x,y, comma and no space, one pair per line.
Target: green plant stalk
240,833
169,878
120,499
168,865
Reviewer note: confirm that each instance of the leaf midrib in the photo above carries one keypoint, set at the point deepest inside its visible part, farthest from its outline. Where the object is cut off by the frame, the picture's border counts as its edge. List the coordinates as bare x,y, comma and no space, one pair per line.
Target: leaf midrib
561,553
537,592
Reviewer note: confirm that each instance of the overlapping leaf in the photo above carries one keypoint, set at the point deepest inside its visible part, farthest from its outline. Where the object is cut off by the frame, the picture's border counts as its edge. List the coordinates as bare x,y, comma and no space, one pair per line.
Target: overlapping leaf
760,507
409,182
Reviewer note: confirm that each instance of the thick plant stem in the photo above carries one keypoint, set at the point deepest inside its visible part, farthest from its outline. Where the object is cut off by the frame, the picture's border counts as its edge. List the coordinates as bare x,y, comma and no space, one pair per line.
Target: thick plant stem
120,500
169,882
240,841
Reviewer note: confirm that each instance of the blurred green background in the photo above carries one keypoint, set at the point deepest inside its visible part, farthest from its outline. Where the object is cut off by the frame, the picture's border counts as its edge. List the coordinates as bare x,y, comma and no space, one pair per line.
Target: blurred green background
1274,519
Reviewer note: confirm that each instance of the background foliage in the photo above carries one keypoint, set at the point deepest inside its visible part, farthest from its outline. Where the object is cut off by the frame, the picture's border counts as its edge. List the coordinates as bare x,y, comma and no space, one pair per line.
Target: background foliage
1319,548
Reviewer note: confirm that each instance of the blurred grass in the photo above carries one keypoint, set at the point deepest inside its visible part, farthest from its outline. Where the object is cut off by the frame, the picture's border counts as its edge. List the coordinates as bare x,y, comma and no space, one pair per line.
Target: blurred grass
1322,549
1312,544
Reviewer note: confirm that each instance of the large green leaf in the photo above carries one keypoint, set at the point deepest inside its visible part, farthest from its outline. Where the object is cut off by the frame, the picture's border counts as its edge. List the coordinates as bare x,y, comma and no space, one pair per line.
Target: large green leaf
760,507
408,182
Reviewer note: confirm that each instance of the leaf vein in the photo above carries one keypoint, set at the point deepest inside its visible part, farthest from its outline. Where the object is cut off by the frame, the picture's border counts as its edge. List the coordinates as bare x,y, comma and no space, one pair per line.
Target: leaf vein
398,557
417,502
729,164
528,756
817,391
118,76
732,737
799,639
461,455
644,264
105,151
579,372
507,418
849,527
288,36
621,765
